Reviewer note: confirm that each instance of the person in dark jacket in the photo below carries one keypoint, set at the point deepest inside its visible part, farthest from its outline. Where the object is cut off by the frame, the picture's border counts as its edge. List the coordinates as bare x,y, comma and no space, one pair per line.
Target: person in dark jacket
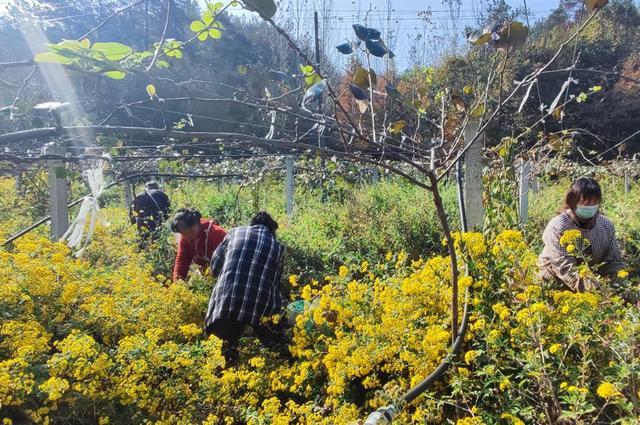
248,266
149,209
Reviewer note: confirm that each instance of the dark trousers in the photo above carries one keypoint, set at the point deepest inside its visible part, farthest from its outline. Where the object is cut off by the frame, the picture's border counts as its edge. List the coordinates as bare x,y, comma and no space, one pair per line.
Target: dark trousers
230,331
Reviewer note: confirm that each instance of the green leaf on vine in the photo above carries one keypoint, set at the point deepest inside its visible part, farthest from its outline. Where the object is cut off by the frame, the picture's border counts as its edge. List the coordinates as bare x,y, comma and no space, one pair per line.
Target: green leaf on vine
112,51
116,75
207,18
215,7
310,76
197,26
397,127
151,91
50,57
361,78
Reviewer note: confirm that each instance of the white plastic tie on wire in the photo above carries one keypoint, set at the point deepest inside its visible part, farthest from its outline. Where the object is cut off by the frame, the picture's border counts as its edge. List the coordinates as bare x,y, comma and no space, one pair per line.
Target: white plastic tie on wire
526,95
89,211
564,87
272,127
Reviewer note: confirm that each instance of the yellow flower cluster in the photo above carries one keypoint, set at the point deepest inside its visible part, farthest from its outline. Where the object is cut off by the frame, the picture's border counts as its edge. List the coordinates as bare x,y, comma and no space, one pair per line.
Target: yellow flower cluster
608,390
570,237
471,420
107,337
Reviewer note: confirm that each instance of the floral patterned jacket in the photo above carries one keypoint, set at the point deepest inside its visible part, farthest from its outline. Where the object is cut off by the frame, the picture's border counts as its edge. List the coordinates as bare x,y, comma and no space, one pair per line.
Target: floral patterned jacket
556,262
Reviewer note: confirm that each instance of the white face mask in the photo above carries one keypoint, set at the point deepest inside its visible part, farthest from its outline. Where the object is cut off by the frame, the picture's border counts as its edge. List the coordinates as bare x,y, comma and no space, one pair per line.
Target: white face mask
587,212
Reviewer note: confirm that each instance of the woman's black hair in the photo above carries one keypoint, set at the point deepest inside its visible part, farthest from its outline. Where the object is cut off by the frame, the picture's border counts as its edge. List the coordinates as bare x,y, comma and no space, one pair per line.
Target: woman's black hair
583,189
184,219
263,217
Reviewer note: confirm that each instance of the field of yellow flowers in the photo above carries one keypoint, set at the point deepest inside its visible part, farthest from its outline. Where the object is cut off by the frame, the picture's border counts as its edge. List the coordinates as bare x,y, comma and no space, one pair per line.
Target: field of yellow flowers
103,339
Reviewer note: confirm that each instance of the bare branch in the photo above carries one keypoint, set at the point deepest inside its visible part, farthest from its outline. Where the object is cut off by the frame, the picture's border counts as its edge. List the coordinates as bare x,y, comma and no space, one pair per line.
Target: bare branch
527,80
162,38
7,84
591,70
622,142
117,12
17,64
17,98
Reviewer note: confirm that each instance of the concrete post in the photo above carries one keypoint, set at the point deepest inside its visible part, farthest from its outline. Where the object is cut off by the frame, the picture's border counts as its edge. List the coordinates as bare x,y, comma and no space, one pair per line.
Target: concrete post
523,192
289,185
472,184
19,187
128,194
535,184
58,195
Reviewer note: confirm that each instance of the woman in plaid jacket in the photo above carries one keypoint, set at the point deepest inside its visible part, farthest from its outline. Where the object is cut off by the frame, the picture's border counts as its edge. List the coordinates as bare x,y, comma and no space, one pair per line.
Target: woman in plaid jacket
248,267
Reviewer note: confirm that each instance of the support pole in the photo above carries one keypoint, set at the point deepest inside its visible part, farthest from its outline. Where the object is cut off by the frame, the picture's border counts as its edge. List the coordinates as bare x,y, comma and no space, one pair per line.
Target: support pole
58,195
317,40
19,186
462,205
525,171
472,183
289,185
316,27
535,184
128,194
627,182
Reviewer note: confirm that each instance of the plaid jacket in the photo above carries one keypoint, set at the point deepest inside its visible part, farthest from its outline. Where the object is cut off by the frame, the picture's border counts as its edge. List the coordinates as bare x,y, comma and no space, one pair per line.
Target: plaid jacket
248,264
556,262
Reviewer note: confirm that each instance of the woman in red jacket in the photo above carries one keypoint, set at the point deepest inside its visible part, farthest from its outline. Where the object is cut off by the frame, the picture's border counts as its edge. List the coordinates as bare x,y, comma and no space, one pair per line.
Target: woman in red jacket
198,239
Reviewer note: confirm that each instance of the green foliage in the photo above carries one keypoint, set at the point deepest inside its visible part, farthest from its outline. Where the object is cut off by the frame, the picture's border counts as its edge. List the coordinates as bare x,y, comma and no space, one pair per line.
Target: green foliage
501,194
310,75
208,26
102,58
356,223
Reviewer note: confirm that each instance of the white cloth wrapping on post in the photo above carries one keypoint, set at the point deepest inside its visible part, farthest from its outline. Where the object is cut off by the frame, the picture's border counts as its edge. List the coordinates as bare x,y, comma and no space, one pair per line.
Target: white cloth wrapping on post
89,211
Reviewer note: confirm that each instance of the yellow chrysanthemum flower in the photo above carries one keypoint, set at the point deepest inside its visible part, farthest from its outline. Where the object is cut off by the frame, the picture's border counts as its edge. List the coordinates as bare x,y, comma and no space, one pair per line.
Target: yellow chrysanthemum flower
623,274
607,390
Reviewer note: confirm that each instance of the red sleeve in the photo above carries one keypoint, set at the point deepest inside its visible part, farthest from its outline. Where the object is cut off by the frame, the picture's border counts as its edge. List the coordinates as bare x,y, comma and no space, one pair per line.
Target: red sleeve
216,235
184,257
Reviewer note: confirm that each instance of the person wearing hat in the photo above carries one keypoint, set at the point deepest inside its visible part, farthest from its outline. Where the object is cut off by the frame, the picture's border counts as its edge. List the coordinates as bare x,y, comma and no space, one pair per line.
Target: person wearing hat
149,209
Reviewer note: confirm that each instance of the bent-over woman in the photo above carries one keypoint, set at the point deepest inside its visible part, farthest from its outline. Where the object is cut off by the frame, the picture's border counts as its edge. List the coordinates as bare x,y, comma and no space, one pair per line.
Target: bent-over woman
199,238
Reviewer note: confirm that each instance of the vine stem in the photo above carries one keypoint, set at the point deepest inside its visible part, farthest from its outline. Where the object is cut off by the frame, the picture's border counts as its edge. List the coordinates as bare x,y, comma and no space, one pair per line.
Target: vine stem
17,98
455,273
